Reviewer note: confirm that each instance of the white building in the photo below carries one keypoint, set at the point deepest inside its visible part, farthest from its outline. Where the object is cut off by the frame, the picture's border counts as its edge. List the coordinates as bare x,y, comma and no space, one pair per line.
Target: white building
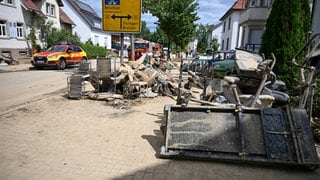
88,23
215,32
17,17
253,21
231,32
12,27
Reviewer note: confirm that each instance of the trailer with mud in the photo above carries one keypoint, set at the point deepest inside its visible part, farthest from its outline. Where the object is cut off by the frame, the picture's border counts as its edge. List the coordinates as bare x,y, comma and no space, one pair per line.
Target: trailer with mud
246,117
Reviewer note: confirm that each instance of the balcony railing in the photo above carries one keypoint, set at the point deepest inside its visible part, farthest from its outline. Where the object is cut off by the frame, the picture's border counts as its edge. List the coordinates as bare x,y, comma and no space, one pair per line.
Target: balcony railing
253,47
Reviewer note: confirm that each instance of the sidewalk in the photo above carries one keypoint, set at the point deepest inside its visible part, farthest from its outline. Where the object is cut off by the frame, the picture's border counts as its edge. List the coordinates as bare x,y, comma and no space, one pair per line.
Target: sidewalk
22,64
85,139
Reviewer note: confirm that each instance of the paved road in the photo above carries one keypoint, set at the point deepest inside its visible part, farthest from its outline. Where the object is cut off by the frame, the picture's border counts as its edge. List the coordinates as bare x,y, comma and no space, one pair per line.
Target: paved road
23,86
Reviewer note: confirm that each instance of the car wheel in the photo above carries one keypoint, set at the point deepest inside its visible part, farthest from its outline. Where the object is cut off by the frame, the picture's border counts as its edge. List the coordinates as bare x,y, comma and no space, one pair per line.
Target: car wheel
62,64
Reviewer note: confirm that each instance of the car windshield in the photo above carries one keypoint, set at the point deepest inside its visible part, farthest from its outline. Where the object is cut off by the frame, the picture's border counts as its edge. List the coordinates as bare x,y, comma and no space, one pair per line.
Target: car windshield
57,49
140,45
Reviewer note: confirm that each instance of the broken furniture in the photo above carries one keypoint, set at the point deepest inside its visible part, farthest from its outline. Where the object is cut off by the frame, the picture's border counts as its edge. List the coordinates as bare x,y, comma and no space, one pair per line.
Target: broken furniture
77,80
101,78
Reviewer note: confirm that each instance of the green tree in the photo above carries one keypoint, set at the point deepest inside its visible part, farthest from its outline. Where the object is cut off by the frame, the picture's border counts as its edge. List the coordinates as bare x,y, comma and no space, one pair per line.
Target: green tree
214,44
159,37
93,51
286,32
55,36
201,33
145,32
44,27
39,26
176,18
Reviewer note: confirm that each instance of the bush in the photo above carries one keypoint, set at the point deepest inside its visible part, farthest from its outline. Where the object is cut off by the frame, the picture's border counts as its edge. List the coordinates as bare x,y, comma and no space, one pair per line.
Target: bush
93,51
294,102
56,36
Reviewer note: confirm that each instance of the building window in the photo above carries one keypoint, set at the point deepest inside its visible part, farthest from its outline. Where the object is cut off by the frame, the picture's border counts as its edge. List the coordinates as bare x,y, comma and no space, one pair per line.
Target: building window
227,45
50,9
222,45
97,23
9,2
19,30
3,28
270,3
229,23
252,3
224,26
96,40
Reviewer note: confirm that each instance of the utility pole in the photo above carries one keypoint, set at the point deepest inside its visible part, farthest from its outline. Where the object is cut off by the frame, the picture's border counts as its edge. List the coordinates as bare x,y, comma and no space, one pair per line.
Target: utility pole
121,51
132,47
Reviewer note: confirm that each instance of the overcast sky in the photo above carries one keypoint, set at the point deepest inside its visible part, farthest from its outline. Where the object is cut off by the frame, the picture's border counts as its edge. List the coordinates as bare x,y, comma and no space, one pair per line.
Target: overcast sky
209,12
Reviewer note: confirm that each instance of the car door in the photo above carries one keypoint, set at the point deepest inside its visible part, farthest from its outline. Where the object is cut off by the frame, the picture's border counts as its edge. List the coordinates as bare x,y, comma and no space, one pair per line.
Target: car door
67,55
76,54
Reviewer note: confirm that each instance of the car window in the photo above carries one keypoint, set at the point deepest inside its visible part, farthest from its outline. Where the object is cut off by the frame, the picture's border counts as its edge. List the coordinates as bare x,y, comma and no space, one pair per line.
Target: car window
70,48
57,49
77,49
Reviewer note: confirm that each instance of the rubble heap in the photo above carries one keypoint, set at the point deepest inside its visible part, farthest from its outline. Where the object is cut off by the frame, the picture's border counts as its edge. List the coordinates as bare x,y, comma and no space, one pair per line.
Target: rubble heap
145,77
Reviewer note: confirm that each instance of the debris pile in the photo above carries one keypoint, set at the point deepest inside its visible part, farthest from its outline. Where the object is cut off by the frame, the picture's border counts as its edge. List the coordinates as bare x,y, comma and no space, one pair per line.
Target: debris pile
146,77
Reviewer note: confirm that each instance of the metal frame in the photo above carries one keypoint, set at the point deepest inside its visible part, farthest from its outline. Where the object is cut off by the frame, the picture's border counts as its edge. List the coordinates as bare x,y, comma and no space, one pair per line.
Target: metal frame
266,136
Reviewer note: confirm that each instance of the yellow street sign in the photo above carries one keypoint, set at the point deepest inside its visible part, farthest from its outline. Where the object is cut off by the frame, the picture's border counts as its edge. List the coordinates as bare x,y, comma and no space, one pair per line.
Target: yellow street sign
121,16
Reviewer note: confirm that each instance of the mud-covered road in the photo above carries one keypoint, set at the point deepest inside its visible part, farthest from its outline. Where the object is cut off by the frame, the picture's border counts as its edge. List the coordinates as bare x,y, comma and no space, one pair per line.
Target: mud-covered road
25,86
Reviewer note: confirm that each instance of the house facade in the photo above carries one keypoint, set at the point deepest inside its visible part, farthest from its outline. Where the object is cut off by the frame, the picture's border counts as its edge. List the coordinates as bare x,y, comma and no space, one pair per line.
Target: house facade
252,22
12,28
88,23
231,31
17,17
214,32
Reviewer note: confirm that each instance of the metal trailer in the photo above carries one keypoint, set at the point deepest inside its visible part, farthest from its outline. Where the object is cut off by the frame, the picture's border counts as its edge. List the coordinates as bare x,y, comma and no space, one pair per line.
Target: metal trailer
247,133
268,135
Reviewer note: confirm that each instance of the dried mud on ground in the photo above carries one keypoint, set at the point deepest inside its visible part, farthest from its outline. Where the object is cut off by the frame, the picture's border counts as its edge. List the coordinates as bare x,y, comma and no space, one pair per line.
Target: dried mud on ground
58,138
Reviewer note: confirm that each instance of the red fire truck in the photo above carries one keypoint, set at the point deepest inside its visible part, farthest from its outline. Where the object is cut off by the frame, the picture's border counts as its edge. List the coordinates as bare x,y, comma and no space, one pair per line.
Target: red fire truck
141,46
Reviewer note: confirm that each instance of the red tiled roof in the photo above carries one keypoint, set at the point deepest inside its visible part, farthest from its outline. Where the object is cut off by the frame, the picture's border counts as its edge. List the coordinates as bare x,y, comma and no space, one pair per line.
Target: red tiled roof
65,18
240,4
30,5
